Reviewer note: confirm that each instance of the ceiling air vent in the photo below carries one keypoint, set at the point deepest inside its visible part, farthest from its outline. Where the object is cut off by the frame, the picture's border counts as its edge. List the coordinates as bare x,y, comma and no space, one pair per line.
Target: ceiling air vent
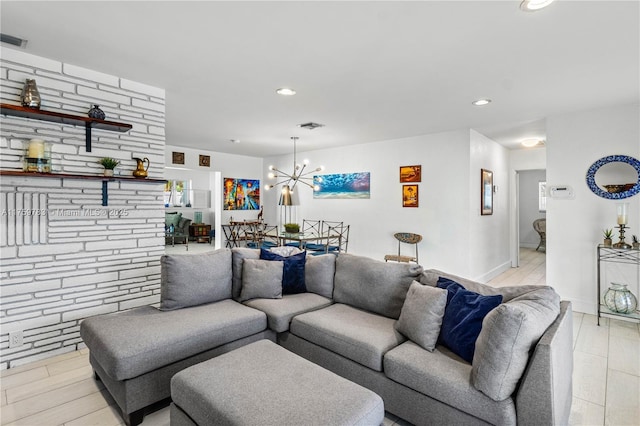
310,125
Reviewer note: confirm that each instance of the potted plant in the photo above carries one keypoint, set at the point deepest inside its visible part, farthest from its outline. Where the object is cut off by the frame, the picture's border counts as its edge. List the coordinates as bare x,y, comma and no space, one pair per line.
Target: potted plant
635,242
291,228
109,164
608,233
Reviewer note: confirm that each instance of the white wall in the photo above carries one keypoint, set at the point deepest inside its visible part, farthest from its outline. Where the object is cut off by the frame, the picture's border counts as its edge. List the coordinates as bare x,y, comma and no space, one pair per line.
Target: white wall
574,227
229,165
489,235
444,215
529,206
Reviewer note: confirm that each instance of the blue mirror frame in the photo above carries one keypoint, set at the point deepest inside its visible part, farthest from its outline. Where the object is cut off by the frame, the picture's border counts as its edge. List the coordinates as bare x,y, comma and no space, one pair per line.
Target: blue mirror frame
591,177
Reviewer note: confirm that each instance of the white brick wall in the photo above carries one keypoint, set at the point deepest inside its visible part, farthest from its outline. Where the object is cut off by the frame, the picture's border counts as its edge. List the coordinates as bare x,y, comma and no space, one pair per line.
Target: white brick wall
72,258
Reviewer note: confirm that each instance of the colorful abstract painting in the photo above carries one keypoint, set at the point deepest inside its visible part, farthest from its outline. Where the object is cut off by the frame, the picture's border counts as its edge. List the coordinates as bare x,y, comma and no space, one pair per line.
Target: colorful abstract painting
343,185
241,194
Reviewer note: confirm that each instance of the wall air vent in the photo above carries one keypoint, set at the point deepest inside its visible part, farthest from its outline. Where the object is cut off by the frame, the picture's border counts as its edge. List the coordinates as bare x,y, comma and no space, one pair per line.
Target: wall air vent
15,41
310,125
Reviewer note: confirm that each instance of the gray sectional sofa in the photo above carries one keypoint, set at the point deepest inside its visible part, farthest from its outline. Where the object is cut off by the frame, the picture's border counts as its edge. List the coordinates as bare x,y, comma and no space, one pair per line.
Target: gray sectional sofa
377,324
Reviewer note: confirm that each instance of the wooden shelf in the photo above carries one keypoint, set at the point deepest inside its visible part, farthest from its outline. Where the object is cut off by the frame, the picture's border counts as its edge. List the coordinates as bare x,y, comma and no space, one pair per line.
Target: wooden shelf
71,119
104,179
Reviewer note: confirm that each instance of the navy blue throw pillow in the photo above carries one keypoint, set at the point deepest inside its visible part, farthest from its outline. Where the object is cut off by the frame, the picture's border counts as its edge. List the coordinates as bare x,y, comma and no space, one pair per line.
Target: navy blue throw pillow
293,271
463,317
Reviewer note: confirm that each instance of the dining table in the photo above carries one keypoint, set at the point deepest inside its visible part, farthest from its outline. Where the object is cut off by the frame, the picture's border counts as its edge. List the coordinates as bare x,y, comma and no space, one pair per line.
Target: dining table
304,237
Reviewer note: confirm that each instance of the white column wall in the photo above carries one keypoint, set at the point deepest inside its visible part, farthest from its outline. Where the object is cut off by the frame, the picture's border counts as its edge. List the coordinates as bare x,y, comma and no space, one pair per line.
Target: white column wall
77,258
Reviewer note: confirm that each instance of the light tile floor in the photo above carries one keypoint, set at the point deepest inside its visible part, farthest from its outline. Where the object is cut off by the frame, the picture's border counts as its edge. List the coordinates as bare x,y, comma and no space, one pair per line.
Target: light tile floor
606,379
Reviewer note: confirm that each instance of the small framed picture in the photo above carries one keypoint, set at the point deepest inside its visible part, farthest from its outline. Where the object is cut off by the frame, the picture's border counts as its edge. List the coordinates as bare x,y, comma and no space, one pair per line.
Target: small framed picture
410,196
205,161
410,173
486,192
177,157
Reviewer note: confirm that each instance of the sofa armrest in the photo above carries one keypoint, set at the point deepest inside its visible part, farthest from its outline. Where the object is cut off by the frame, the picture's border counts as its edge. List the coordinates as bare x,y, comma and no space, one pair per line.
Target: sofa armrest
545,392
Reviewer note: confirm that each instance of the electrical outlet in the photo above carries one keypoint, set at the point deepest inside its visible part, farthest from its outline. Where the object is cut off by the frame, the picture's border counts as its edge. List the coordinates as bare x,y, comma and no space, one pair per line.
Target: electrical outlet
15,339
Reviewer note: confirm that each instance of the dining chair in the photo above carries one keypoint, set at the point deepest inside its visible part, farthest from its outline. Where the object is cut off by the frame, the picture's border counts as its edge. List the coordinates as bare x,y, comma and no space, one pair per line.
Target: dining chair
405,238
263,236
230,236
338,238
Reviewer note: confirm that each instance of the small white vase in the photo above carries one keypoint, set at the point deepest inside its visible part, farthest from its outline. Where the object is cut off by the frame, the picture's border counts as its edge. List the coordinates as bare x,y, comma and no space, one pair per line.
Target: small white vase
108,172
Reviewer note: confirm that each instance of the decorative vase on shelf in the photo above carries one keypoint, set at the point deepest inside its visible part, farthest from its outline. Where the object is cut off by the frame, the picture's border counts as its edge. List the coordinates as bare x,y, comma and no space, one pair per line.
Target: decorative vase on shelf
619,299
96,112
30,97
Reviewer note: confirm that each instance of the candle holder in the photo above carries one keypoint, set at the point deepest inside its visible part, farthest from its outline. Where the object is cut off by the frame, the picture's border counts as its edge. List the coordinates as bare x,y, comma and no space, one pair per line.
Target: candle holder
621,244
622,211
37,156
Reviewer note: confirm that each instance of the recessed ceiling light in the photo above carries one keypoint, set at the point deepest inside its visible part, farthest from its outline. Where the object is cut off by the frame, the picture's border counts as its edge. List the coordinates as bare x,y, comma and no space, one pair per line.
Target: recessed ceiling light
285,91
481,102
533,5
531,142
234,140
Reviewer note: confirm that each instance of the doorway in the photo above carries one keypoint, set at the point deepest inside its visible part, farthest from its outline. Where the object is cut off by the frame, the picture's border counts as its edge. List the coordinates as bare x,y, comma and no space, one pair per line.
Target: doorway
530,205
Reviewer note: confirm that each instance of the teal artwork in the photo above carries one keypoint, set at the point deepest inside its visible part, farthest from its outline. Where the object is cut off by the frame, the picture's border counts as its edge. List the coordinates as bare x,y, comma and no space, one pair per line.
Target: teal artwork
343,185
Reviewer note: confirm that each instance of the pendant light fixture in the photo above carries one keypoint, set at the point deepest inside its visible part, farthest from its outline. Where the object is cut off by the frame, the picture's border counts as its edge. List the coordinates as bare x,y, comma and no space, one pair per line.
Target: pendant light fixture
297,176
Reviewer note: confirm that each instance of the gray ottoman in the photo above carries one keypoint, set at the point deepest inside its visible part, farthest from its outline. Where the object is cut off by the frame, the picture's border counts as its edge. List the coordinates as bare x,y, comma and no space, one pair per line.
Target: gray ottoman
263,383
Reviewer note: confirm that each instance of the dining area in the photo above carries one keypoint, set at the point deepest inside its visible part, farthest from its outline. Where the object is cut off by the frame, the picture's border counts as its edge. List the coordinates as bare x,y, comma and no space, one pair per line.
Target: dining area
314,236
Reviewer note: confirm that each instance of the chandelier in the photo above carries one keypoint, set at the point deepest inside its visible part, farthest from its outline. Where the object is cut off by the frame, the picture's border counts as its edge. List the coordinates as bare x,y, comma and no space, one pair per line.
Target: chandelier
297,176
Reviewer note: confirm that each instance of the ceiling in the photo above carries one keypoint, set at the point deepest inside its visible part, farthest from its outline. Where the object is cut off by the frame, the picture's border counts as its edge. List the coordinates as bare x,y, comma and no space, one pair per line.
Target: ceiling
368,71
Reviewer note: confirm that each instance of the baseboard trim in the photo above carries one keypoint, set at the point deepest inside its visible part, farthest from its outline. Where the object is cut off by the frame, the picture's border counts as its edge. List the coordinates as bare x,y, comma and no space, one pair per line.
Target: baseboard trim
494,272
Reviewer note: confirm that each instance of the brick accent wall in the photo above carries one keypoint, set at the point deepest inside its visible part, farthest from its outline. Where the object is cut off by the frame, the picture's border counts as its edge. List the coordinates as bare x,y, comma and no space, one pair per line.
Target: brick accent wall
63,256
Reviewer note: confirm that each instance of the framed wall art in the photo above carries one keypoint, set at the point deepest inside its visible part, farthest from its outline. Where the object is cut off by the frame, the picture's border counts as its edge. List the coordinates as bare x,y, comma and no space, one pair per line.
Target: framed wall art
410,196
486,192
343,185
204,161
177,157
410,174
241,194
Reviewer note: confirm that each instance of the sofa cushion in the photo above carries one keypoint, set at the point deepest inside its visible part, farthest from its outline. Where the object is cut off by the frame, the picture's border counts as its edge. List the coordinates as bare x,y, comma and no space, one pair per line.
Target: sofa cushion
183,224
361,336
194,279
239,254
319,273
421,315
281,311
373,285
431,276
445,377
508,334
293,272
261,278
463,317
157,338
172,218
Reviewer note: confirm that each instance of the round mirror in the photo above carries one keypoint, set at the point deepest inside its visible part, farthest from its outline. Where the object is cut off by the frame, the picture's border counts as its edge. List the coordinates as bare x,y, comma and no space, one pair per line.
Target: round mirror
614,177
